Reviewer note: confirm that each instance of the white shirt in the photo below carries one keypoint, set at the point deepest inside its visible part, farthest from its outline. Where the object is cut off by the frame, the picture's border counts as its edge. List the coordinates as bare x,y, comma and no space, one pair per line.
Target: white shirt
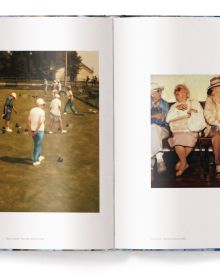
59,86
69,94
37,115
55,85
55,106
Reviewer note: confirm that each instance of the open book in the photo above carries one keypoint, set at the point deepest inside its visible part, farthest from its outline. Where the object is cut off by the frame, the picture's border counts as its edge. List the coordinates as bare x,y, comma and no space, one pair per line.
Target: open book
75,142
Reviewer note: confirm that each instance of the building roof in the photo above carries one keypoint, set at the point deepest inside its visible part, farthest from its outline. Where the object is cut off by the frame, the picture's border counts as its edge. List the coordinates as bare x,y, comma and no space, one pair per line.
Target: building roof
83,66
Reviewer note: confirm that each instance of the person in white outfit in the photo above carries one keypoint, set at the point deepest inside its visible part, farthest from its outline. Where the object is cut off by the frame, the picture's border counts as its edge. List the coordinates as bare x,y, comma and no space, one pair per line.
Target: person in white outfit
159,127
36,121
45,86
59,85
54,88
55,113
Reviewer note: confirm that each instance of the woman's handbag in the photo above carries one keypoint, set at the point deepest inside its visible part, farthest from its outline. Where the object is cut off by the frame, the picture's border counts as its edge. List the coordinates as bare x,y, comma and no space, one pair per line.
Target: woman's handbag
196,122
179,125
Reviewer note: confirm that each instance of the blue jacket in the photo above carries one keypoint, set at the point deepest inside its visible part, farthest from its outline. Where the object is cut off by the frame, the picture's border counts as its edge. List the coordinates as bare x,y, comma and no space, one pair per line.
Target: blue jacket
163,108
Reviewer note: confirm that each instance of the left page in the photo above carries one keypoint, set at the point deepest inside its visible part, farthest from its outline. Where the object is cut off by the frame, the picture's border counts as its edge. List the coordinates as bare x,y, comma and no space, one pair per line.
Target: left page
56,152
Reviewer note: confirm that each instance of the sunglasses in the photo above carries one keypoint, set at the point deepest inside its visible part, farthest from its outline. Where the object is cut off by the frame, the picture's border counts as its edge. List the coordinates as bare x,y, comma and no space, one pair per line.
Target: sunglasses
178,89
157,91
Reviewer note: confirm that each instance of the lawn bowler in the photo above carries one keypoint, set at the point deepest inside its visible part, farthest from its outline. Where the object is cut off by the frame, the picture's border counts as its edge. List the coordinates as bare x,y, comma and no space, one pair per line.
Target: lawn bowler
8,108
55,113
36,125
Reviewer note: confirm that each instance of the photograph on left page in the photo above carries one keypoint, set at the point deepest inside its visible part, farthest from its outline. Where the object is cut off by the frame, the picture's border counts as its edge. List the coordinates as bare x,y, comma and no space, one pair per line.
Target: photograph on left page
185,131
49,131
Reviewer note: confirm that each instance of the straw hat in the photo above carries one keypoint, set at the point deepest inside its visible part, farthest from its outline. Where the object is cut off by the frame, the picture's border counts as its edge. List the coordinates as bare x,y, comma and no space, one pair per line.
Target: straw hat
214,82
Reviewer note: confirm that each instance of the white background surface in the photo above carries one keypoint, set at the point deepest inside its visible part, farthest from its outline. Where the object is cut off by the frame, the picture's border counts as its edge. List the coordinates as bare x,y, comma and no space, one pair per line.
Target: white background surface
109,265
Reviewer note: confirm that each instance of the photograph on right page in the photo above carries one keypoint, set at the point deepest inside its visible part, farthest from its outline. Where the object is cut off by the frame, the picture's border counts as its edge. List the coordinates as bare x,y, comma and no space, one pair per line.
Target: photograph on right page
185,131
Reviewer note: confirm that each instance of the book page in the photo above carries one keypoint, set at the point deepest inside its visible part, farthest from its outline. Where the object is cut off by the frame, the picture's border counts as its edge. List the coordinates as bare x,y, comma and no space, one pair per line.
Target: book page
167,198
56,93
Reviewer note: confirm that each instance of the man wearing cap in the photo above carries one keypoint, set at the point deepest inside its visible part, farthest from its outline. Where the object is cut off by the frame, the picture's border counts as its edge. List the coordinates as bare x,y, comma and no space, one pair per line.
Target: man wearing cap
212,116
159,127
36,125
55,113
8,108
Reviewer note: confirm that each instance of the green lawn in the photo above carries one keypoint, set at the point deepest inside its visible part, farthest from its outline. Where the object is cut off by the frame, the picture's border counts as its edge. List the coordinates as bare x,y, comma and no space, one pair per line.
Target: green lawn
68,186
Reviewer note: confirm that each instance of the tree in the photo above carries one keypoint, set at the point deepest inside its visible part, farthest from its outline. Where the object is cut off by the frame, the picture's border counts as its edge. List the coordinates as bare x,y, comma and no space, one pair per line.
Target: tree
37,64
74,64
4,63
18,65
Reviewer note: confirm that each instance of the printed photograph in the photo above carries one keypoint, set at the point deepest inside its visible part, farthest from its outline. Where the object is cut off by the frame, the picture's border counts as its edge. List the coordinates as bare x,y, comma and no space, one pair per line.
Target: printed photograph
185,131
49,131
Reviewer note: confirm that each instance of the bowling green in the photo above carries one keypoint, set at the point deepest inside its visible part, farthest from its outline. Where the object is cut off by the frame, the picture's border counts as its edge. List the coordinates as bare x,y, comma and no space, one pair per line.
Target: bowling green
67,185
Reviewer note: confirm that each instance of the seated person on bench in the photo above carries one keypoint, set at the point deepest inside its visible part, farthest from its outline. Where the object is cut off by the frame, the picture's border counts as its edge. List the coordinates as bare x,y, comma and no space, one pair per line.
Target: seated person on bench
186,119
159,127
212,116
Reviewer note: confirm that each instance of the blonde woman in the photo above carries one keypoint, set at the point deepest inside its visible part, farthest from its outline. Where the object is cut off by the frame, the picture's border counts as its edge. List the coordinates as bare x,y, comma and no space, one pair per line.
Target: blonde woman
181,124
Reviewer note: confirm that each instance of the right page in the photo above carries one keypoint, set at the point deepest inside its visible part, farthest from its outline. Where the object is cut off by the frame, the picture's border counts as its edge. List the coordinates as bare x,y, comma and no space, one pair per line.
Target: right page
167,139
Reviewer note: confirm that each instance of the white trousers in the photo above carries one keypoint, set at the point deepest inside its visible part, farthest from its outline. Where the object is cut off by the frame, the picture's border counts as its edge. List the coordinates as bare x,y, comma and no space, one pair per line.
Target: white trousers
158,133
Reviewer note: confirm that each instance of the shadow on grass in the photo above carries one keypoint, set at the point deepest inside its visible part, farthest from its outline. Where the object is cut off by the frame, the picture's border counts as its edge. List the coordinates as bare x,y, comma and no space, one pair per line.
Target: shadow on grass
27,161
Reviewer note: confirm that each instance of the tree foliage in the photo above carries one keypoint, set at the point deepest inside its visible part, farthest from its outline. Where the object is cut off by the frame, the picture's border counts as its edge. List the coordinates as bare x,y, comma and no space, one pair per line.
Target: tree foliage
74,64
37,64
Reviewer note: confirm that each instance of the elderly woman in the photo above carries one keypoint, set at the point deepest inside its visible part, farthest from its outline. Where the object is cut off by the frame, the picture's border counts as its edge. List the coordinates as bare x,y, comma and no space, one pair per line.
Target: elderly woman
212,116
181,124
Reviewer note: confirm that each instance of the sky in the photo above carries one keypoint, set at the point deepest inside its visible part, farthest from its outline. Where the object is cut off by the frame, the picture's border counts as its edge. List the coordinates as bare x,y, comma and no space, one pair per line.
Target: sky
90,59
